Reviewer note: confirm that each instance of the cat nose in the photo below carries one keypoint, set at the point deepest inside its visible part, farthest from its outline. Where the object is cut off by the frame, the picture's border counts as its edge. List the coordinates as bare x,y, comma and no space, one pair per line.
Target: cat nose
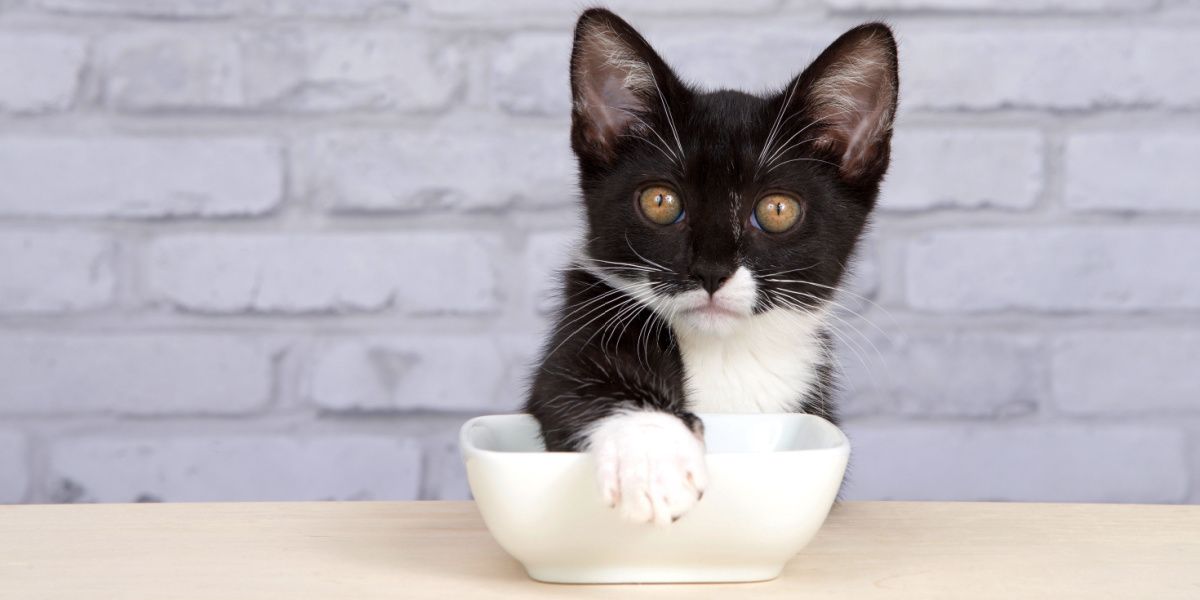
711,279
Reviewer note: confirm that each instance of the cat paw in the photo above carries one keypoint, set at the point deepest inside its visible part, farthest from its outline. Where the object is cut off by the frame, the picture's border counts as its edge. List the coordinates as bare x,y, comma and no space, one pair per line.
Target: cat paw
649,465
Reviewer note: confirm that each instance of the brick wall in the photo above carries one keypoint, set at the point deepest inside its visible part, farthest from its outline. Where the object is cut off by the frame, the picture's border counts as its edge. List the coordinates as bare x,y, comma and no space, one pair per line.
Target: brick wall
281,249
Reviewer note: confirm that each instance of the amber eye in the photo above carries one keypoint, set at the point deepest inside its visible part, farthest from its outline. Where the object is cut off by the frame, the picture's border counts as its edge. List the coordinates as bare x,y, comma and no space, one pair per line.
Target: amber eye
660,204
777,213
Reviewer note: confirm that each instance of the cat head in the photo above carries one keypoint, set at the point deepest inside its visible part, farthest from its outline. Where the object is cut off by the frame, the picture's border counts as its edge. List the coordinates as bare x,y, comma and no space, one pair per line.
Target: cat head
711,207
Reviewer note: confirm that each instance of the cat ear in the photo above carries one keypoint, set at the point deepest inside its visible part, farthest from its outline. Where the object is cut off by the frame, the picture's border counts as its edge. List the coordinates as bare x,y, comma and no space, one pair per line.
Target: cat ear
850,93
617,81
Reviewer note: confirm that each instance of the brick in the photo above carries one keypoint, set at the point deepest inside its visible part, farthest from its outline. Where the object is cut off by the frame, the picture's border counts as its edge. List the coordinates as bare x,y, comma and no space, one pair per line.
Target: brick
14,468
1194,498
980,375
568,10
361,69
1004,6
978,70
225,8
1049,463
531,75
1059,269
39,72
139,177
1058,69
55,272
411,171
282,68
147,70
424,273
744,56
958,169
446,476
333,8
1100,177
139,8
546,254
451,373
860,284
234,467
1127,373
522,353
135,374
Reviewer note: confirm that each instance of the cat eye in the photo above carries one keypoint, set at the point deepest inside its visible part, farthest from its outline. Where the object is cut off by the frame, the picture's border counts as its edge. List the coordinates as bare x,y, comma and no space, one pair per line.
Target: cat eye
660,204
777,213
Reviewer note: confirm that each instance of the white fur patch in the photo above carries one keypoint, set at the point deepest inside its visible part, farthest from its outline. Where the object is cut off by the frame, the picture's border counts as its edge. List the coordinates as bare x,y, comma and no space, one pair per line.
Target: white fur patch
722,313
648,464
734,360
766,364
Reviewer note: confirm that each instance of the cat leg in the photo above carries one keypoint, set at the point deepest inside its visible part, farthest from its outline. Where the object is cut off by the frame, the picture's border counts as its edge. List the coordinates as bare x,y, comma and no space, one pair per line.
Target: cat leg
649,464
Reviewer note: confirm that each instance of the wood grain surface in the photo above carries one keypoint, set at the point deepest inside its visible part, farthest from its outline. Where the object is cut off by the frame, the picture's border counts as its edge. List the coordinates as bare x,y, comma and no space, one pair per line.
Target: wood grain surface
362,551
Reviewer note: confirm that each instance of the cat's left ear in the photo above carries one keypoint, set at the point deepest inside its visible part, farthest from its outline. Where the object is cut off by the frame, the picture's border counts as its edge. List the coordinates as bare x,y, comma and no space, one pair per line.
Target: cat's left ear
849,94
618,84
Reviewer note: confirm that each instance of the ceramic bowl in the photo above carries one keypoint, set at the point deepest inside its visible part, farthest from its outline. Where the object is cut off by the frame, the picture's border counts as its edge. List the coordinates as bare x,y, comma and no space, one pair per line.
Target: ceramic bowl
772,481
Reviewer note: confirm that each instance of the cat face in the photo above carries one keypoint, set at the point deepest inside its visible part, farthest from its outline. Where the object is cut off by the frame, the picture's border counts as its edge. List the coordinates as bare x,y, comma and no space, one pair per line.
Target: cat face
712,207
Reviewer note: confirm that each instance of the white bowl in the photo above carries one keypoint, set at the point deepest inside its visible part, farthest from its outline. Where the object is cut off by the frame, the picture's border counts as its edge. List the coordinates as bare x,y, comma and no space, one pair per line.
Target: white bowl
772,480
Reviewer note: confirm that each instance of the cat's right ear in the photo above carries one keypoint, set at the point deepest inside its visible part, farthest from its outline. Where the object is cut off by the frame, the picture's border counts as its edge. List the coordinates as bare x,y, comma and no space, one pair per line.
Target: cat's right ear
617,83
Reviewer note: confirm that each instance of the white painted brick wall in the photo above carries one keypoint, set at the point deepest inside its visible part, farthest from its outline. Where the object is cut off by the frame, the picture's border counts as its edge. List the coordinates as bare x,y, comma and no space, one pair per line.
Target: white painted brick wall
454,373
224,8
1099,177
1100,268
39,72
281,249
954,375
1126,373
78,176
82,265
963,163
135,375
233,467
1054,463
412,171
14,467
311,273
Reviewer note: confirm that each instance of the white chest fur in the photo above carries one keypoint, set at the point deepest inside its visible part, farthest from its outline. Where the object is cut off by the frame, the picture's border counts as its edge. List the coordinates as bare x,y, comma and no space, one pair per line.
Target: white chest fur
766,365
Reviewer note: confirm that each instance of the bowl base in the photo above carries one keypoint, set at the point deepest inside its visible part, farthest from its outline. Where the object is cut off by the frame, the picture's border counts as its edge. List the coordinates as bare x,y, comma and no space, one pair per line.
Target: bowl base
652,574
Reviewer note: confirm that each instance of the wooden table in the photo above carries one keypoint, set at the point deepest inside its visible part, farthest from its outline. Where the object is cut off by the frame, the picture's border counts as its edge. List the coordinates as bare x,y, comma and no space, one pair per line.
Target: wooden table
359,551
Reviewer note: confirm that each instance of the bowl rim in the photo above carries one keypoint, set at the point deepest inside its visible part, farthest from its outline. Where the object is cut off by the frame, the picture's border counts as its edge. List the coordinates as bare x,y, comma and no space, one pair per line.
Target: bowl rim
842,445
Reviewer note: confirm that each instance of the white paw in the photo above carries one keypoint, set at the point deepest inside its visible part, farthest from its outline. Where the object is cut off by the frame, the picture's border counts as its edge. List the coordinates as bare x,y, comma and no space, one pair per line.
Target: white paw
649,465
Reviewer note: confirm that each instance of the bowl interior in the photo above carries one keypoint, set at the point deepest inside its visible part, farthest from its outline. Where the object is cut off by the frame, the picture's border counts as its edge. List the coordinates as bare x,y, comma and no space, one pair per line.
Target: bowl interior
724,433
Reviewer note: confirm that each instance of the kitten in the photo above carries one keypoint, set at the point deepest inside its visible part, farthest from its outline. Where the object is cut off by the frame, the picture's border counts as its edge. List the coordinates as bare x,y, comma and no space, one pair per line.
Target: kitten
719,225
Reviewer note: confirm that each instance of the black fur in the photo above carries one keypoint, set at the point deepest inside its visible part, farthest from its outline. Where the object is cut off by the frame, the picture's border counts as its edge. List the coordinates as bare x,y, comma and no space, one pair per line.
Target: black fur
599,359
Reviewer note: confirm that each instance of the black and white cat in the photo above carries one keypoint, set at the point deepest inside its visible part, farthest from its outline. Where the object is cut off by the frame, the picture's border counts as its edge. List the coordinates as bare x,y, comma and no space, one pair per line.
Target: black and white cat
719,225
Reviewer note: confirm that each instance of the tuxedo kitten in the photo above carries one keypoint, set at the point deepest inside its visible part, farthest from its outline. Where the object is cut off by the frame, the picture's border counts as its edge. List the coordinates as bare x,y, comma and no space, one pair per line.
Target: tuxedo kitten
719,225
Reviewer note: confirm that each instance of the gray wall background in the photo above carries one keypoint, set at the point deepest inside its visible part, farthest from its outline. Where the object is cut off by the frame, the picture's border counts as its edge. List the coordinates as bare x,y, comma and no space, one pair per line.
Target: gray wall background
281,249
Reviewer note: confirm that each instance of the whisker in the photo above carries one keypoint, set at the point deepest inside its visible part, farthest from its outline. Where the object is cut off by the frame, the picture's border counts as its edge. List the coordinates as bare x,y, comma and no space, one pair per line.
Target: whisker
856,330
780,153
670,118
840,290
622,265
620,300
602,306
803,159
778,118
639,255
852,346
839,306
764,276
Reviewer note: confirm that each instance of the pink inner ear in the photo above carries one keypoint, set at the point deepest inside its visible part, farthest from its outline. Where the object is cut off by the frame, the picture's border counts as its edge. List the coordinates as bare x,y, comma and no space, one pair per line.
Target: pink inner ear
611,86
855,99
